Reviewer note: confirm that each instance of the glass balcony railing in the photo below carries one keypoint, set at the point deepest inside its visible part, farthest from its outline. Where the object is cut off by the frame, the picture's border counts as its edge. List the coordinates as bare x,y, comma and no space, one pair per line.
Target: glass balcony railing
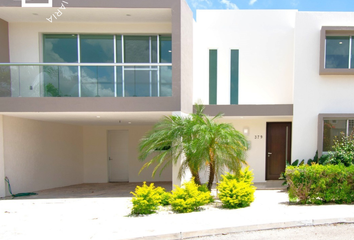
85,80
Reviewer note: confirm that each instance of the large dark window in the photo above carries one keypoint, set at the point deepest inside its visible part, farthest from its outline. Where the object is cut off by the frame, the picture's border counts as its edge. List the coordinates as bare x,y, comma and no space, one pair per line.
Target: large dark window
107,81
333,129
58,48
96,49
140,49
338,52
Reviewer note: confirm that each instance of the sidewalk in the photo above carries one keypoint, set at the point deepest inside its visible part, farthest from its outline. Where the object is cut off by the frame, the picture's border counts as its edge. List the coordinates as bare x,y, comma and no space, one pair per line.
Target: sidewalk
105,218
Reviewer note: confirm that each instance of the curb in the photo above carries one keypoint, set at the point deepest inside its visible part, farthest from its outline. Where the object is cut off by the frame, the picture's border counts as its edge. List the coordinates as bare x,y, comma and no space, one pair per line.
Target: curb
249,228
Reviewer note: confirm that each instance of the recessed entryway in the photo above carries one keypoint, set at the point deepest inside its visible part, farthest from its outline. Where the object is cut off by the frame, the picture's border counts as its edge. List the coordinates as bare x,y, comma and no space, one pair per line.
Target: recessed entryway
278,149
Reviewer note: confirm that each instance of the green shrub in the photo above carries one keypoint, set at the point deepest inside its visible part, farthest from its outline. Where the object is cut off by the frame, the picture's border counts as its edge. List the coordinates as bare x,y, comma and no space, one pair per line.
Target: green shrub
165,198
236,191
320,184
188,198
204,188
343,151
323,160
146,199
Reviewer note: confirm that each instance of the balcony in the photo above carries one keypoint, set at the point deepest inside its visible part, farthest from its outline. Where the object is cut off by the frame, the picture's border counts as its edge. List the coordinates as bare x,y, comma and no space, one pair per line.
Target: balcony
85,79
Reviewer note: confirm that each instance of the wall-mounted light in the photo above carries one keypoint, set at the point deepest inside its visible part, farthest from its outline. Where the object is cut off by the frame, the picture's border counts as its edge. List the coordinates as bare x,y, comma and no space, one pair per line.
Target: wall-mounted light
246,131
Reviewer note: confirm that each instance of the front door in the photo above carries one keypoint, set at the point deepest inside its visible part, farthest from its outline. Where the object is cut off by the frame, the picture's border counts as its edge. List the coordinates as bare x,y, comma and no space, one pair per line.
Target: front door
278,148
118,156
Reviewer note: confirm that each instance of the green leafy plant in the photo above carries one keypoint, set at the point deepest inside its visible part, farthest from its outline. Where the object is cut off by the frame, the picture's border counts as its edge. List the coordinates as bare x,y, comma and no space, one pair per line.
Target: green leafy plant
147,199
51,90
315,160
188,198
204,188
343,150
237,191
320,184
165,198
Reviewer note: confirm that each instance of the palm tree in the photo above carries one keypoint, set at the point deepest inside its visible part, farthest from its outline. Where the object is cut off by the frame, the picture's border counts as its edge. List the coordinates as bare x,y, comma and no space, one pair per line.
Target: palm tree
222,146
168,140
204,141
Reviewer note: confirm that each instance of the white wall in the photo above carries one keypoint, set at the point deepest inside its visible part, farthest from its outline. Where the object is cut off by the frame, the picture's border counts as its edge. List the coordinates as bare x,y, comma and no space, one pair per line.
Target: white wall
41,155
2,161
25,38
314,93
265,40
96,159
256,155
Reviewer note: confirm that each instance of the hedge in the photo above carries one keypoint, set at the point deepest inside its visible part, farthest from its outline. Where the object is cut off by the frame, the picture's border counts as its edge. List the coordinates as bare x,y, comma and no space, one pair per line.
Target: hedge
320,184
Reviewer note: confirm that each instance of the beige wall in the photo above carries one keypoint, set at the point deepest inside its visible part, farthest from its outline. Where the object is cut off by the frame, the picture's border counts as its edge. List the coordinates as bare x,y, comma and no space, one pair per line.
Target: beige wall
4,41
41,155
96,159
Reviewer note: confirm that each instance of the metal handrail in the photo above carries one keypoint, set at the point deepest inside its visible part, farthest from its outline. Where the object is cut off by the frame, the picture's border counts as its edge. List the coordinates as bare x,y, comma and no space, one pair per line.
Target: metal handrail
90,64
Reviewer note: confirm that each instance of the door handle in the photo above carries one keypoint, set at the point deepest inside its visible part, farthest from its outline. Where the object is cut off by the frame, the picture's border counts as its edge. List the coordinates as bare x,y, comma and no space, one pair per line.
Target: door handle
269,154
110,159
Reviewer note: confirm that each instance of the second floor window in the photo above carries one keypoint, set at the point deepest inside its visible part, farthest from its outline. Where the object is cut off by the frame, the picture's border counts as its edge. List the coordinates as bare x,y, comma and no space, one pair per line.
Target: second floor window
83,48
339,52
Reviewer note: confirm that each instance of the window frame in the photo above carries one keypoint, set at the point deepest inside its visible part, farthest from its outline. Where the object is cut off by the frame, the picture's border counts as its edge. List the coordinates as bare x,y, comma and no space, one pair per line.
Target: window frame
333,31
321,119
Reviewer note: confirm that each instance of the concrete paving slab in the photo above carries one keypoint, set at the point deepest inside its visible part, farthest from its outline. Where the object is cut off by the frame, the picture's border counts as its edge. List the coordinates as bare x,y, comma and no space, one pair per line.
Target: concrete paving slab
107,218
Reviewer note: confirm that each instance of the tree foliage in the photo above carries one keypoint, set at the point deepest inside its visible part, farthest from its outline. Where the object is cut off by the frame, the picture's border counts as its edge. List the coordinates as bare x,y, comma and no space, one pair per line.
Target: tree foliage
204,141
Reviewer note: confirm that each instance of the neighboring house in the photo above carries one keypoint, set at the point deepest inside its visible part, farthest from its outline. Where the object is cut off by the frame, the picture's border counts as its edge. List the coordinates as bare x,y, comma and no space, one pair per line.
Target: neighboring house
79,89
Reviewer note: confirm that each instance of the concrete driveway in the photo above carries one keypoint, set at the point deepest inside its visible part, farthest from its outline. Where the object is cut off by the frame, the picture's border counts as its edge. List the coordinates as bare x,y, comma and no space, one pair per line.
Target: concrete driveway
105,216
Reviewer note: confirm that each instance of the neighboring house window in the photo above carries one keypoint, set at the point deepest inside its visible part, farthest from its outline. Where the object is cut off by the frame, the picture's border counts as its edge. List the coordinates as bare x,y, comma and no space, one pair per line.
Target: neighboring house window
332,126
234,73
107,81
337,50
213,76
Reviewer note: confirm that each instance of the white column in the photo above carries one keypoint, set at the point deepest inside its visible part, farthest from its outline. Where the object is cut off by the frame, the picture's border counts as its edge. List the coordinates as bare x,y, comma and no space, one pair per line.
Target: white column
175,167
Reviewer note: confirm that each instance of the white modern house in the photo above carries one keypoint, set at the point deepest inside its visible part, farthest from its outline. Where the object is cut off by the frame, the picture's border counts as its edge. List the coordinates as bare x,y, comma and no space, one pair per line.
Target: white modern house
82,81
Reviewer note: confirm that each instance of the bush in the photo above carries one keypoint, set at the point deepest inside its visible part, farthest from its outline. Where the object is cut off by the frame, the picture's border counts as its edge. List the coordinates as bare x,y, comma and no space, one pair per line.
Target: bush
320,184
343,151
146,199
237,191
323,160
188,198
165,198
204,188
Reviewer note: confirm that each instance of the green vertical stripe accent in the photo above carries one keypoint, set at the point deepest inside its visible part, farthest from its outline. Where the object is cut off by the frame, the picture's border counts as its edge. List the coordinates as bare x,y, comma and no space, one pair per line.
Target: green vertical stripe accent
234,77
213,73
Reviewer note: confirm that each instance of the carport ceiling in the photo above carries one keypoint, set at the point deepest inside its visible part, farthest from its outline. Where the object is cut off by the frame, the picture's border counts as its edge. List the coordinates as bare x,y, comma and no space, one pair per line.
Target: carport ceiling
95,118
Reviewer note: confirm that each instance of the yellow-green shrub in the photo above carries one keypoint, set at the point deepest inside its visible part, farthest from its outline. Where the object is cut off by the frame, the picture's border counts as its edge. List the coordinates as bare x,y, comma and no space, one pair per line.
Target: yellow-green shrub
188,198
146,199
165,198
236,191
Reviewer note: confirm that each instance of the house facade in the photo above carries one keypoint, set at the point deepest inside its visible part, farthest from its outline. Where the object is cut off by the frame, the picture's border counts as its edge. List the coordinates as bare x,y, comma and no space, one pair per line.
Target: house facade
83,81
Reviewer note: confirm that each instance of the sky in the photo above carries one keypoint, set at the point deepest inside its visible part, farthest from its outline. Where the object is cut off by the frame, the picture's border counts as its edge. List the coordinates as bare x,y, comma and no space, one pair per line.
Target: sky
301,5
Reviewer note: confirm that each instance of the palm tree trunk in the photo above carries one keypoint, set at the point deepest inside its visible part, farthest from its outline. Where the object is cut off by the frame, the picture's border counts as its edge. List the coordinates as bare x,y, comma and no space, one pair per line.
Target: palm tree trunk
212,169
195,175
